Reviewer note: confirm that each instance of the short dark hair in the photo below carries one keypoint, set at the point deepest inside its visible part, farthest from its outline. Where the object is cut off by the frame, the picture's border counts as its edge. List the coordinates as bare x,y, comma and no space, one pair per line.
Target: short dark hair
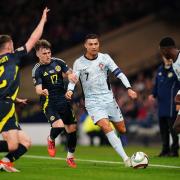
42,44
167,42
91,36
4,39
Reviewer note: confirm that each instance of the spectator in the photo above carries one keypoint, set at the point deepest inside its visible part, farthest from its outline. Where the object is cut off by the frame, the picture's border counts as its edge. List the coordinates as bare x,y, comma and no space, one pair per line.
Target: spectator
165,89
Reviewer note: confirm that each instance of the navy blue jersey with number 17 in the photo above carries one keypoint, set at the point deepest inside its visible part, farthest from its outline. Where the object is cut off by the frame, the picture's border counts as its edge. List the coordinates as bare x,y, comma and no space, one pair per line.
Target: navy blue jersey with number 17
51,78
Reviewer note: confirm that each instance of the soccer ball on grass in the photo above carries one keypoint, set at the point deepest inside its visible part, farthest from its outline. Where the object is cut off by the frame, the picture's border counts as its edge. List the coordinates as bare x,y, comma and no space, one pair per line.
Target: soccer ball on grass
139,160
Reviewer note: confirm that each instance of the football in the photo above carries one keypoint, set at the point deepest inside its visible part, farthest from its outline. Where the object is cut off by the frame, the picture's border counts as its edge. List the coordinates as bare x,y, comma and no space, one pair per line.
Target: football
139,160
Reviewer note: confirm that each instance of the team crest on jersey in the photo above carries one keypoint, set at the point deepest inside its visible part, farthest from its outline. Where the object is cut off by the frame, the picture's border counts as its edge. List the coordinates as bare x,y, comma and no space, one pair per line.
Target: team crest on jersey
45,74
52,118
58,68
170,74
101,66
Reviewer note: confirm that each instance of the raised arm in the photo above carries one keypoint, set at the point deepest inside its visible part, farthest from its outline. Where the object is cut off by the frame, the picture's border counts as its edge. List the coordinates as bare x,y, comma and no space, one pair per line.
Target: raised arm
36,35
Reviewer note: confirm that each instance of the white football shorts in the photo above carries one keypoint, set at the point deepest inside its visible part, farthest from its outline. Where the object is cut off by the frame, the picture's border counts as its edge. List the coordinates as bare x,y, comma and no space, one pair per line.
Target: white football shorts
98,111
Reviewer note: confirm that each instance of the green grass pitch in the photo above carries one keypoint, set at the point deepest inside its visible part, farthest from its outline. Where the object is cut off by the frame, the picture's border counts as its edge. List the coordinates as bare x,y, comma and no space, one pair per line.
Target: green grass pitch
94,163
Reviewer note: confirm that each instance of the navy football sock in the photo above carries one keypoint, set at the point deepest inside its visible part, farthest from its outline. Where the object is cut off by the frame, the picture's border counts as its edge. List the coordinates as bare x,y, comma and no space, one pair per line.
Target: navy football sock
71,141
55,132
3,146
14,155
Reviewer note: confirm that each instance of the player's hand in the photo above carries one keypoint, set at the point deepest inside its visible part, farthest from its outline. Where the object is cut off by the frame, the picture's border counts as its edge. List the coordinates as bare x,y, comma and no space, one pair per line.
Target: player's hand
151,98
72,78
132,94
44,92
44,15
69,94
22,101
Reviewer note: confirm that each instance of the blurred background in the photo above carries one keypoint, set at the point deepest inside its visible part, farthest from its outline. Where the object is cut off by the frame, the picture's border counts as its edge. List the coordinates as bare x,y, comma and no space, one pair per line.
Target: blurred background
130,31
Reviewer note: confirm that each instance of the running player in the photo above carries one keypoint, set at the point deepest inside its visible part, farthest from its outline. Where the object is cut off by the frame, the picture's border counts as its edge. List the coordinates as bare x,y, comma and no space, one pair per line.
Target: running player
48,80
15,142
92,69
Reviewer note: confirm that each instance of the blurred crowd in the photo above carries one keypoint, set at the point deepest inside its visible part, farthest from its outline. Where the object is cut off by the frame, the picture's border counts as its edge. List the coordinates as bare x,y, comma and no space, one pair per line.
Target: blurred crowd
70,20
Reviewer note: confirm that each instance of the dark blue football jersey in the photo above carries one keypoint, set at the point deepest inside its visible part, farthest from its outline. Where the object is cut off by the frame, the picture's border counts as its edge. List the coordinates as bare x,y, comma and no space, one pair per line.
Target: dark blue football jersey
9,73
51,78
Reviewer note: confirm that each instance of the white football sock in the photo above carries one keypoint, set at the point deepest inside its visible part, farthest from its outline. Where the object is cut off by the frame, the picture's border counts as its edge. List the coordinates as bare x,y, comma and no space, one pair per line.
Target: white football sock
4,159
70,155
116,144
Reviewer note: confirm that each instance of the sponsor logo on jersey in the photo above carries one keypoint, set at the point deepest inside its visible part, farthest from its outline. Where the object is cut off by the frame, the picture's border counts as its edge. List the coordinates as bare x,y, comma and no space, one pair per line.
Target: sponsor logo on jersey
45,74
51,71
58,68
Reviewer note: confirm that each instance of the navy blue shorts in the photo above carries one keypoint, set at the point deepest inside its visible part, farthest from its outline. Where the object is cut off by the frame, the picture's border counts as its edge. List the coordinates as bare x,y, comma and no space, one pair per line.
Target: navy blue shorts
8,118
54,113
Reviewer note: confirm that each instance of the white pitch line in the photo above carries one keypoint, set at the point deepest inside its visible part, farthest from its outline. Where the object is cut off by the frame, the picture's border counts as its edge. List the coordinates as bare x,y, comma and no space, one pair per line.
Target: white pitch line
97,161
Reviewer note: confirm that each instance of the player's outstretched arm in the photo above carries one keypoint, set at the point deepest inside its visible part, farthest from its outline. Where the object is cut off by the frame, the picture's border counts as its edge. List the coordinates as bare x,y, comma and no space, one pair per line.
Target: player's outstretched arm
35,36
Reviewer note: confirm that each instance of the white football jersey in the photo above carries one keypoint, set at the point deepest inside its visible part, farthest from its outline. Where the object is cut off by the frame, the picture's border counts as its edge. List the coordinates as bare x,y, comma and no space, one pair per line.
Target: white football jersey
93,76
176,67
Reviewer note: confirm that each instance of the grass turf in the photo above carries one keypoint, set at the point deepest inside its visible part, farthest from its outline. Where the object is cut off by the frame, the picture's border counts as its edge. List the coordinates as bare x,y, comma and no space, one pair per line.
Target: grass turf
34,168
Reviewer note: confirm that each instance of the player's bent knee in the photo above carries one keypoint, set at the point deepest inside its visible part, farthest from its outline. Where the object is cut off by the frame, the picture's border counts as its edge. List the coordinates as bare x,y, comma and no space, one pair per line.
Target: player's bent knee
71,128
105,128
27,143
12,146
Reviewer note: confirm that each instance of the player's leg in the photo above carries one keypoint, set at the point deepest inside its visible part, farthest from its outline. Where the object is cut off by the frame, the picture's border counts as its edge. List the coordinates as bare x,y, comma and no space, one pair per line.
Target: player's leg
120,126
115,142
71,128
56,129
24,143
164,131
57,126
11,137
175,138
116,117
176,125
9,130
3,146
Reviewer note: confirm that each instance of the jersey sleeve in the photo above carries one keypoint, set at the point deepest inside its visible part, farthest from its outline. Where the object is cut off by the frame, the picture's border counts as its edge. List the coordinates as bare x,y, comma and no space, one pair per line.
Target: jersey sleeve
76,70
111,65
36,76
21,52
63,65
